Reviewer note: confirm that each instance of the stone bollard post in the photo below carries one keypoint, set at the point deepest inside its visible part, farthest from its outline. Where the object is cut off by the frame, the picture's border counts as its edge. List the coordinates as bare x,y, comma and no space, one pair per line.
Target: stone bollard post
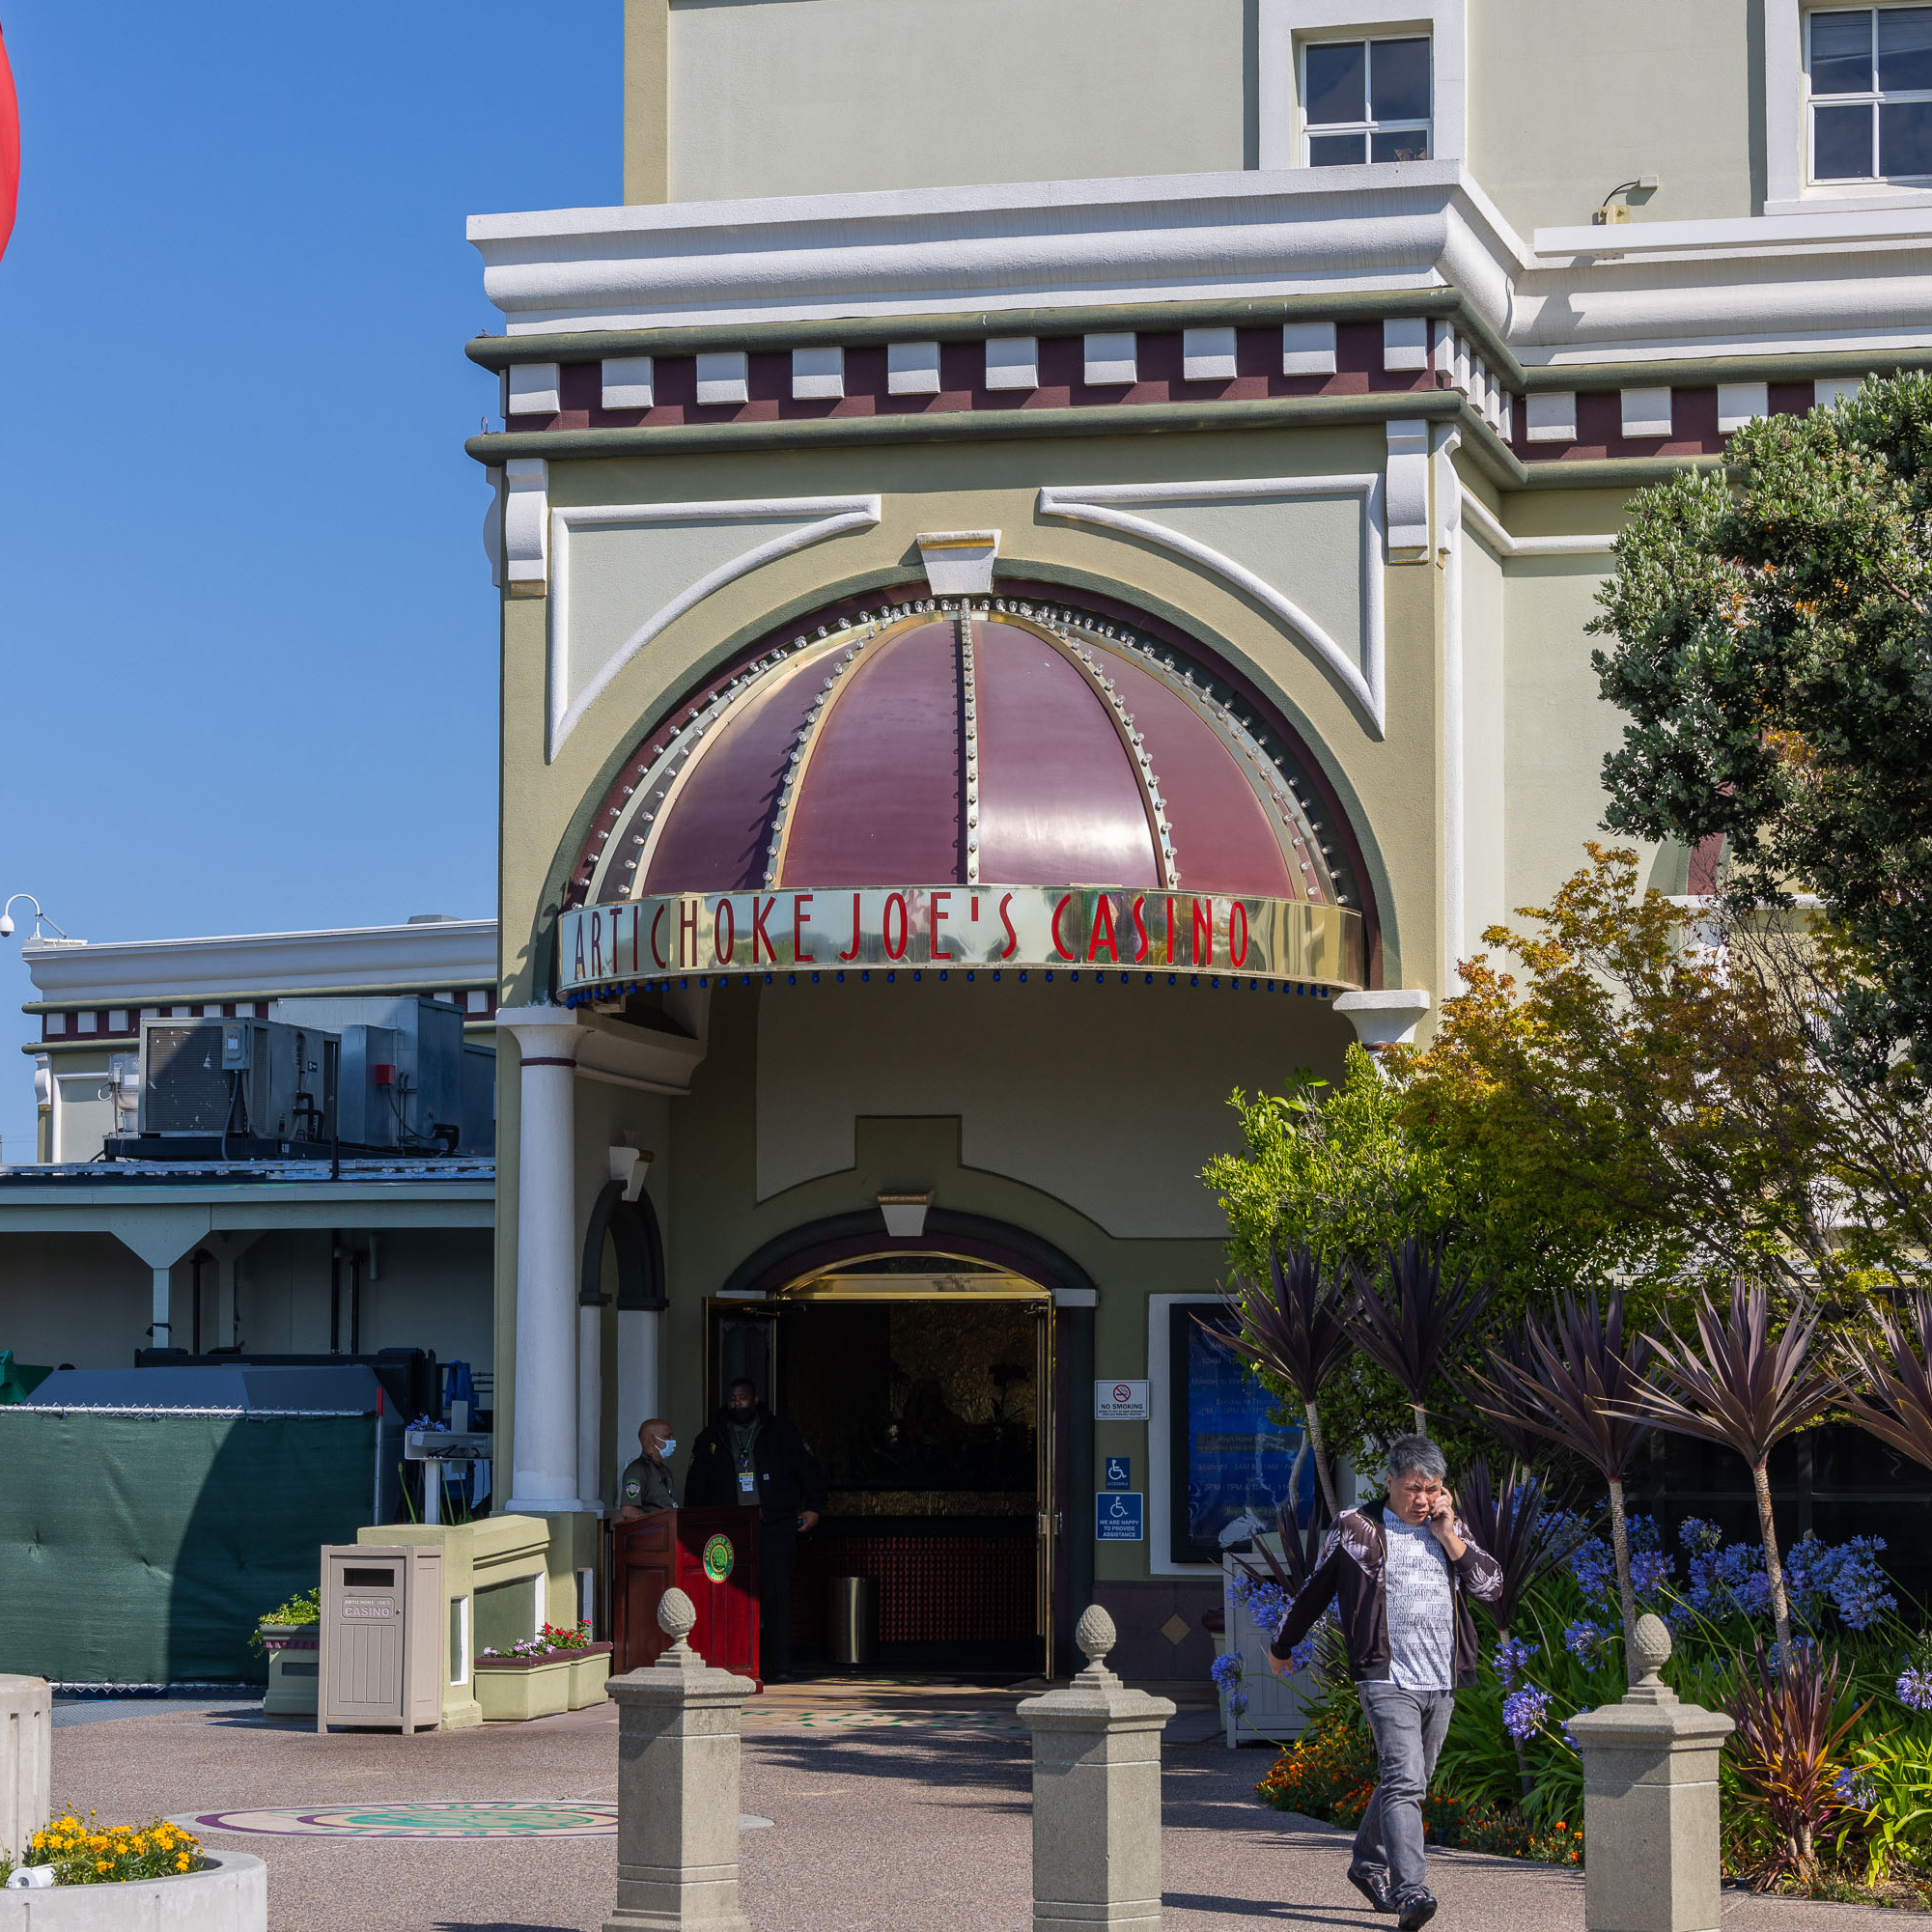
677,1788
26,1776
1650,1803
1096,1794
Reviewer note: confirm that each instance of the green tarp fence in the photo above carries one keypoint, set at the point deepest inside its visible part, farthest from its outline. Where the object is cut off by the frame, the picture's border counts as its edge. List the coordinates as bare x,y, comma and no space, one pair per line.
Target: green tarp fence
142,1549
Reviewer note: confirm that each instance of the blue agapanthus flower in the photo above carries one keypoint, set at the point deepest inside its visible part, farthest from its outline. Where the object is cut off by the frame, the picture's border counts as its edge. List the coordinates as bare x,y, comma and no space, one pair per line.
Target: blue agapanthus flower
1854,1785
1915,1689
1569,1736
1524,1711
1512,1659
1585,1639
1302,1656
1594,1564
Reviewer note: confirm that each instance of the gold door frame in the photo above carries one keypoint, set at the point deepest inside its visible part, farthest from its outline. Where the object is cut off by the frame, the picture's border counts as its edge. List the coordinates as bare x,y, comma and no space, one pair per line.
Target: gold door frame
853,1281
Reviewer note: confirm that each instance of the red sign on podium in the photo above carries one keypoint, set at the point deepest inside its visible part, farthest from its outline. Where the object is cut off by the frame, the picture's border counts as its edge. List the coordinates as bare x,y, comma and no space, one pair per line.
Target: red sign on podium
712,1556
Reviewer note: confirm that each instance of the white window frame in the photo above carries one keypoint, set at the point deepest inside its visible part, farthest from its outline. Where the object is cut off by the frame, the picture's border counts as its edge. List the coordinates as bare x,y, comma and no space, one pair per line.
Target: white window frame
1788,187
1872,98
1367,128
1285,26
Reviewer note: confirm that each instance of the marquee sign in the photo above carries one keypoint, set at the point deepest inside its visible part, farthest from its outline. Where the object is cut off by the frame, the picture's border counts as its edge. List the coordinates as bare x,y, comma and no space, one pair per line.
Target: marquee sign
639,941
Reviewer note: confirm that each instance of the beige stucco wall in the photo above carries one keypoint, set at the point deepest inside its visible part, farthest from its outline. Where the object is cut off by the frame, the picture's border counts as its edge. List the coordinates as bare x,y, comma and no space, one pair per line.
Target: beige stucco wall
814,97
1568,98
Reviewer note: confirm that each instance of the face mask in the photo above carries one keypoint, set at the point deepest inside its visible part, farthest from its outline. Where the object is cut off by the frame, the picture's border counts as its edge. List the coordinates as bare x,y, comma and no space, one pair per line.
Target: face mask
668,1446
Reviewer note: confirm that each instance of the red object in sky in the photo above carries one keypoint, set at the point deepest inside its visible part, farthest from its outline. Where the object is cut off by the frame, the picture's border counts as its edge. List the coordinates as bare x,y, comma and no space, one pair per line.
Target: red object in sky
9,148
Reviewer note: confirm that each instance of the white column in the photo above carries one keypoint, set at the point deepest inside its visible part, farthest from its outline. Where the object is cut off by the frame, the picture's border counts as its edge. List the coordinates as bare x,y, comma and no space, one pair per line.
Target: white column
163,1335
544,1443
637,1399
590,1405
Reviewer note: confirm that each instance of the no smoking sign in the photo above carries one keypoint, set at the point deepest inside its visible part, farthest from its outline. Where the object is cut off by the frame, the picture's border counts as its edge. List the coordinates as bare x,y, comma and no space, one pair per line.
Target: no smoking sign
1120,1402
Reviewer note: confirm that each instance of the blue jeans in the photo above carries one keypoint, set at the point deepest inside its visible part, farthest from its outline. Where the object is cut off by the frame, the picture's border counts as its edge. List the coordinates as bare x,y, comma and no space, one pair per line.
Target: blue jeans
1409,1726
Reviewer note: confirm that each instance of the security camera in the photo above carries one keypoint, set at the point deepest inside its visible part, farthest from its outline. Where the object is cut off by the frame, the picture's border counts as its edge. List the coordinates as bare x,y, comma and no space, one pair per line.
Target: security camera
6,925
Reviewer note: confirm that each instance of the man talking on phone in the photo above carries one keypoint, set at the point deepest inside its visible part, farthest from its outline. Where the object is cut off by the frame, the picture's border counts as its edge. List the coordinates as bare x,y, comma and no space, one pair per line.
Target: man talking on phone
1404,1568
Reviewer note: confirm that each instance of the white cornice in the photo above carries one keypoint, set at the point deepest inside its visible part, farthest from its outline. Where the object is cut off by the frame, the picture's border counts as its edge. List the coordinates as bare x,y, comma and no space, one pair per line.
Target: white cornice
930,251
1826,278
434,955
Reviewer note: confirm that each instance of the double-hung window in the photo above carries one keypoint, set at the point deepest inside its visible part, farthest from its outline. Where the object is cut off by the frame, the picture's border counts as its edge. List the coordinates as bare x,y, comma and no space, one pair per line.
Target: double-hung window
1366,100
1869,70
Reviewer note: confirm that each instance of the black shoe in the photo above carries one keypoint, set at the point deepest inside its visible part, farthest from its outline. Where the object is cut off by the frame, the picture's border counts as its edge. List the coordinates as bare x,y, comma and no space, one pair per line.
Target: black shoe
1373,1885
1416,1910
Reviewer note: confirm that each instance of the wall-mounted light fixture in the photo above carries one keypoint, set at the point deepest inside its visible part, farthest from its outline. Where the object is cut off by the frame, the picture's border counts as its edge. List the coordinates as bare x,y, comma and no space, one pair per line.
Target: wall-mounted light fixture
629,1167
905,1215
1615,213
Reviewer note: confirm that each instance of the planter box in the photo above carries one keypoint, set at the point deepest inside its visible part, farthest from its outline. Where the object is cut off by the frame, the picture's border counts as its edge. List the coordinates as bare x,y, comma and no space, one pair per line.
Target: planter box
590,1672
229,1895
294,1667
1277,1698
512,1689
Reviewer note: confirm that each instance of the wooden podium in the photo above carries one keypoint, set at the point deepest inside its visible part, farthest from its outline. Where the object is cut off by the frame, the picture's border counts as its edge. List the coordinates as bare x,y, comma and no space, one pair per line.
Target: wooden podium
712,1556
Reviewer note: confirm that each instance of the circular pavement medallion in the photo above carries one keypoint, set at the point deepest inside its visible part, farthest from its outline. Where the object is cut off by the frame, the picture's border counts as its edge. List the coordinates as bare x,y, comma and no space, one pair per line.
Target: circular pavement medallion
489,1819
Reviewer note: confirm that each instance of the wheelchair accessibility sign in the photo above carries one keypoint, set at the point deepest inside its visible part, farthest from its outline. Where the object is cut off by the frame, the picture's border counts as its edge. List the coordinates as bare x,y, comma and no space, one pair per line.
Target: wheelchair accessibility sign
1118,1517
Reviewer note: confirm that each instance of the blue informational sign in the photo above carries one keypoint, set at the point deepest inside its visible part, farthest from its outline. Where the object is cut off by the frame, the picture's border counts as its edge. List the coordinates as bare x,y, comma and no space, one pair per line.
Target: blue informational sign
1118,1517
1119,1472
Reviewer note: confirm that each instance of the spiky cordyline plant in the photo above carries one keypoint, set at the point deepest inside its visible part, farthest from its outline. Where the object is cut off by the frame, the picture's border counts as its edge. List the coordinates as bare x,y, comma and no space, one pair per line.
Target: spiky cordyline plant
1433,1309
1785,1749
1290,1571
1748,1395
1579,1385
1298,1332
1897,1405
1511,1524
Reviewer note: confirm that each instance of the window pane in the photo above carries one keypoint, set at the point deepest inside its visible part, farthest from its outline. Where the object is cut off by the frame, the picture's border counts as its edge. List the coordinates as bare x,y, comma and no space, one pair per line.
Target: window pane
1335,151
1398,79
1335,89
1841,52
1840,144
1905,138
1905,50
1404,144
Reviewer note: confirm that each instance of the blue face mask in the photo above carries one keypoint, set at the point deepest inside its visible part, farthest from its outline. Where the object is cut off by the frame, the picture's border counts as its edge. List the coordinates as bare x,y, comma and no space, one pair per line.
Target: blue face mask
670,1444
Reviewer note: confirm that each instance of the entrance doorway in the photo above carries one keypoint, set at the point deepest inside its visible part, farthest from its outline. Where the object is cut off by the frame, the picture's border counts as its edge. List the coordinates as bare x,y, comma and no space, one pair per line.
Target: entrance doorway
925,1383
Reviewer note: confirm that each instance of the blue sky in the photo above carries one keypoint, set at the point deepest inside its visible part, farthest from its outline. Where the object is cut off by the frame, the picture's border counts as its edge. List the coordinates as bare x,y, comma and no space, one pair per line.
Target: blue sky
247,636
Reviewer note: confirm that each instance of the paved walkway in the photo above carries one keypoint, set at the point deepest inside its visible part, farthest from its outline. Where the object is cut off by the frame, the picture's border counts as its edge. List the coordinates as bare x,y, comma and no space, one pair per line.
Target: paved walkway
892,1805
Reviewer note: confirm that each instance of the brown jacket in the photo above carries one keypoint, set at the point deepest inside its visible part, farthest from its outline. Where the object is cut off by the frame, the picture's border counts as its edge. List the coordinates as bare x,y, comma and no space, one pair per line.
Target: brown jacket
1353,1566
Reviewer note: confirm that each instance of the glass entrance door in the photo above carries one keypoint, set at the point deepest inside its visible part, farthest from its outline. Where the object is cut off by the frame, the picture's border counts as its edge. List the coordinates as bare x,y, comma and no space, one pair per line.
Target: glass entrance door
925,1386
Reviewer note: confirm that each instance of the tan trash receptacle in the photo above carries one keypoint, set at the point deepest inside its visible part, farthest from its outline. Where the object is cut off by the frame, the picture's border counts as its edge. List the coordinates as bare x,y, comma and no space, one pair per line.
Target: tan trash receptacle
382,1637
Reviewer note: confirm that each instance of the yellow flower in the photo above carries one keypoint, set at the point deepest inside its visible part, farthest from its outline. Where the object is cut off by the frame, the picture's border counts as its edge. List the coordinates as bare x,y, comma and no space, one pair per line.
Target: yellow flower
101,1865
181,1862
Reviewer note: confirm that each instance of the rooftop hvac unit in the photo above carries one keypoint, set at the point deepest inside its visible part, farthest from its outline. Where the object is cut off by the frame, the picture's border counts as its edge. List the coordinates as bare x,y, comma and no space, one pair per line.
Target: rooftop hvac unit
238,1077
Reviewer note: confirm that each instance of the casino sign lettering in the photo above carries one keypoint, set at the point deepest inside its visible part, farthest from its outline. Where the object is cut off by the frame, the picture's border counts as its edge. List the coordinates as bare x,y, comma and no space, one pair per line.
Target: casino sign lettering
642,941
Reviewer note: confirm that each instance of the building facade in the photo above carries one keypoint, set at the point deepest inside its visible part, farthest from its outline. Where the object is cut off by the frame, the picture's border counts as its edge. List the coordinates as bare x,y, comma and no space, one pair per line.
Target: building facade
1045,553
291,1250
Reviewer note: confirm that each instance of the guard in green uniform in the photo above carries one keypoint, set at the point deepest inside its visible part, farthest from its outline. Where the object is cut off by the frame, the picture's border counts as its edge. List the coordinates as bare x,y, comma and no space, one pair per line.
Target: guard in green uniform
646,1484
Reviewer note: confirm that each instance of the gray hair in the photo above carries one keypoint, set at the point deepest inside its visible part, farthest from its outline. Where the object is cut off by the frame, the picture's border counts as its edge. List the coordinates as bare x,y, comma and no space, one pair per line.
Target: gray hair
1417,1455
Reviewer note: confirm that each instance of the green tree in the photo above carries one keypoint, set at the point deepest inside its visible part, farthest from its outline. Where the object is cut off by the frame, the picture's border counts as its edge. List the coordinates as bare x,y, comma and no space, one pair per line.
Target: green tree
1771,650
1651,1086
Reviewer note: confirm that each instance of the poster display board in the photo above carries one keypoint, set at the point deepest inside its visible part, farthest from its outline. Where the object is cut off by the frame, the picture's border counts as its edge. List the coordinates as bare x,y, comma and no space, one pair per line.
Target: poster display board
1233,1463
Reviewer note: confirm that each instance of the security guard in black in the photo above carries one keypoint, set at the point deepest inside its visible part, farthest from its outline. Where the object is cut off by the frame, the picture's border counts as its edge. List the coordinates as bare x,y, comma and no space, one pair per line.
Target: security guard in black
750,1458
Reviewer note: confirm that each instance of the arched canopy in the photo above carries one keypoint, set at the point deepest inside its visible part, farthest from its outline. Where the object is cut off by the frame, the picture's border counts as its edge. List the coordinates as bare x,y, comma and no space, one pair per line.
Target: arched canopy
989,780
